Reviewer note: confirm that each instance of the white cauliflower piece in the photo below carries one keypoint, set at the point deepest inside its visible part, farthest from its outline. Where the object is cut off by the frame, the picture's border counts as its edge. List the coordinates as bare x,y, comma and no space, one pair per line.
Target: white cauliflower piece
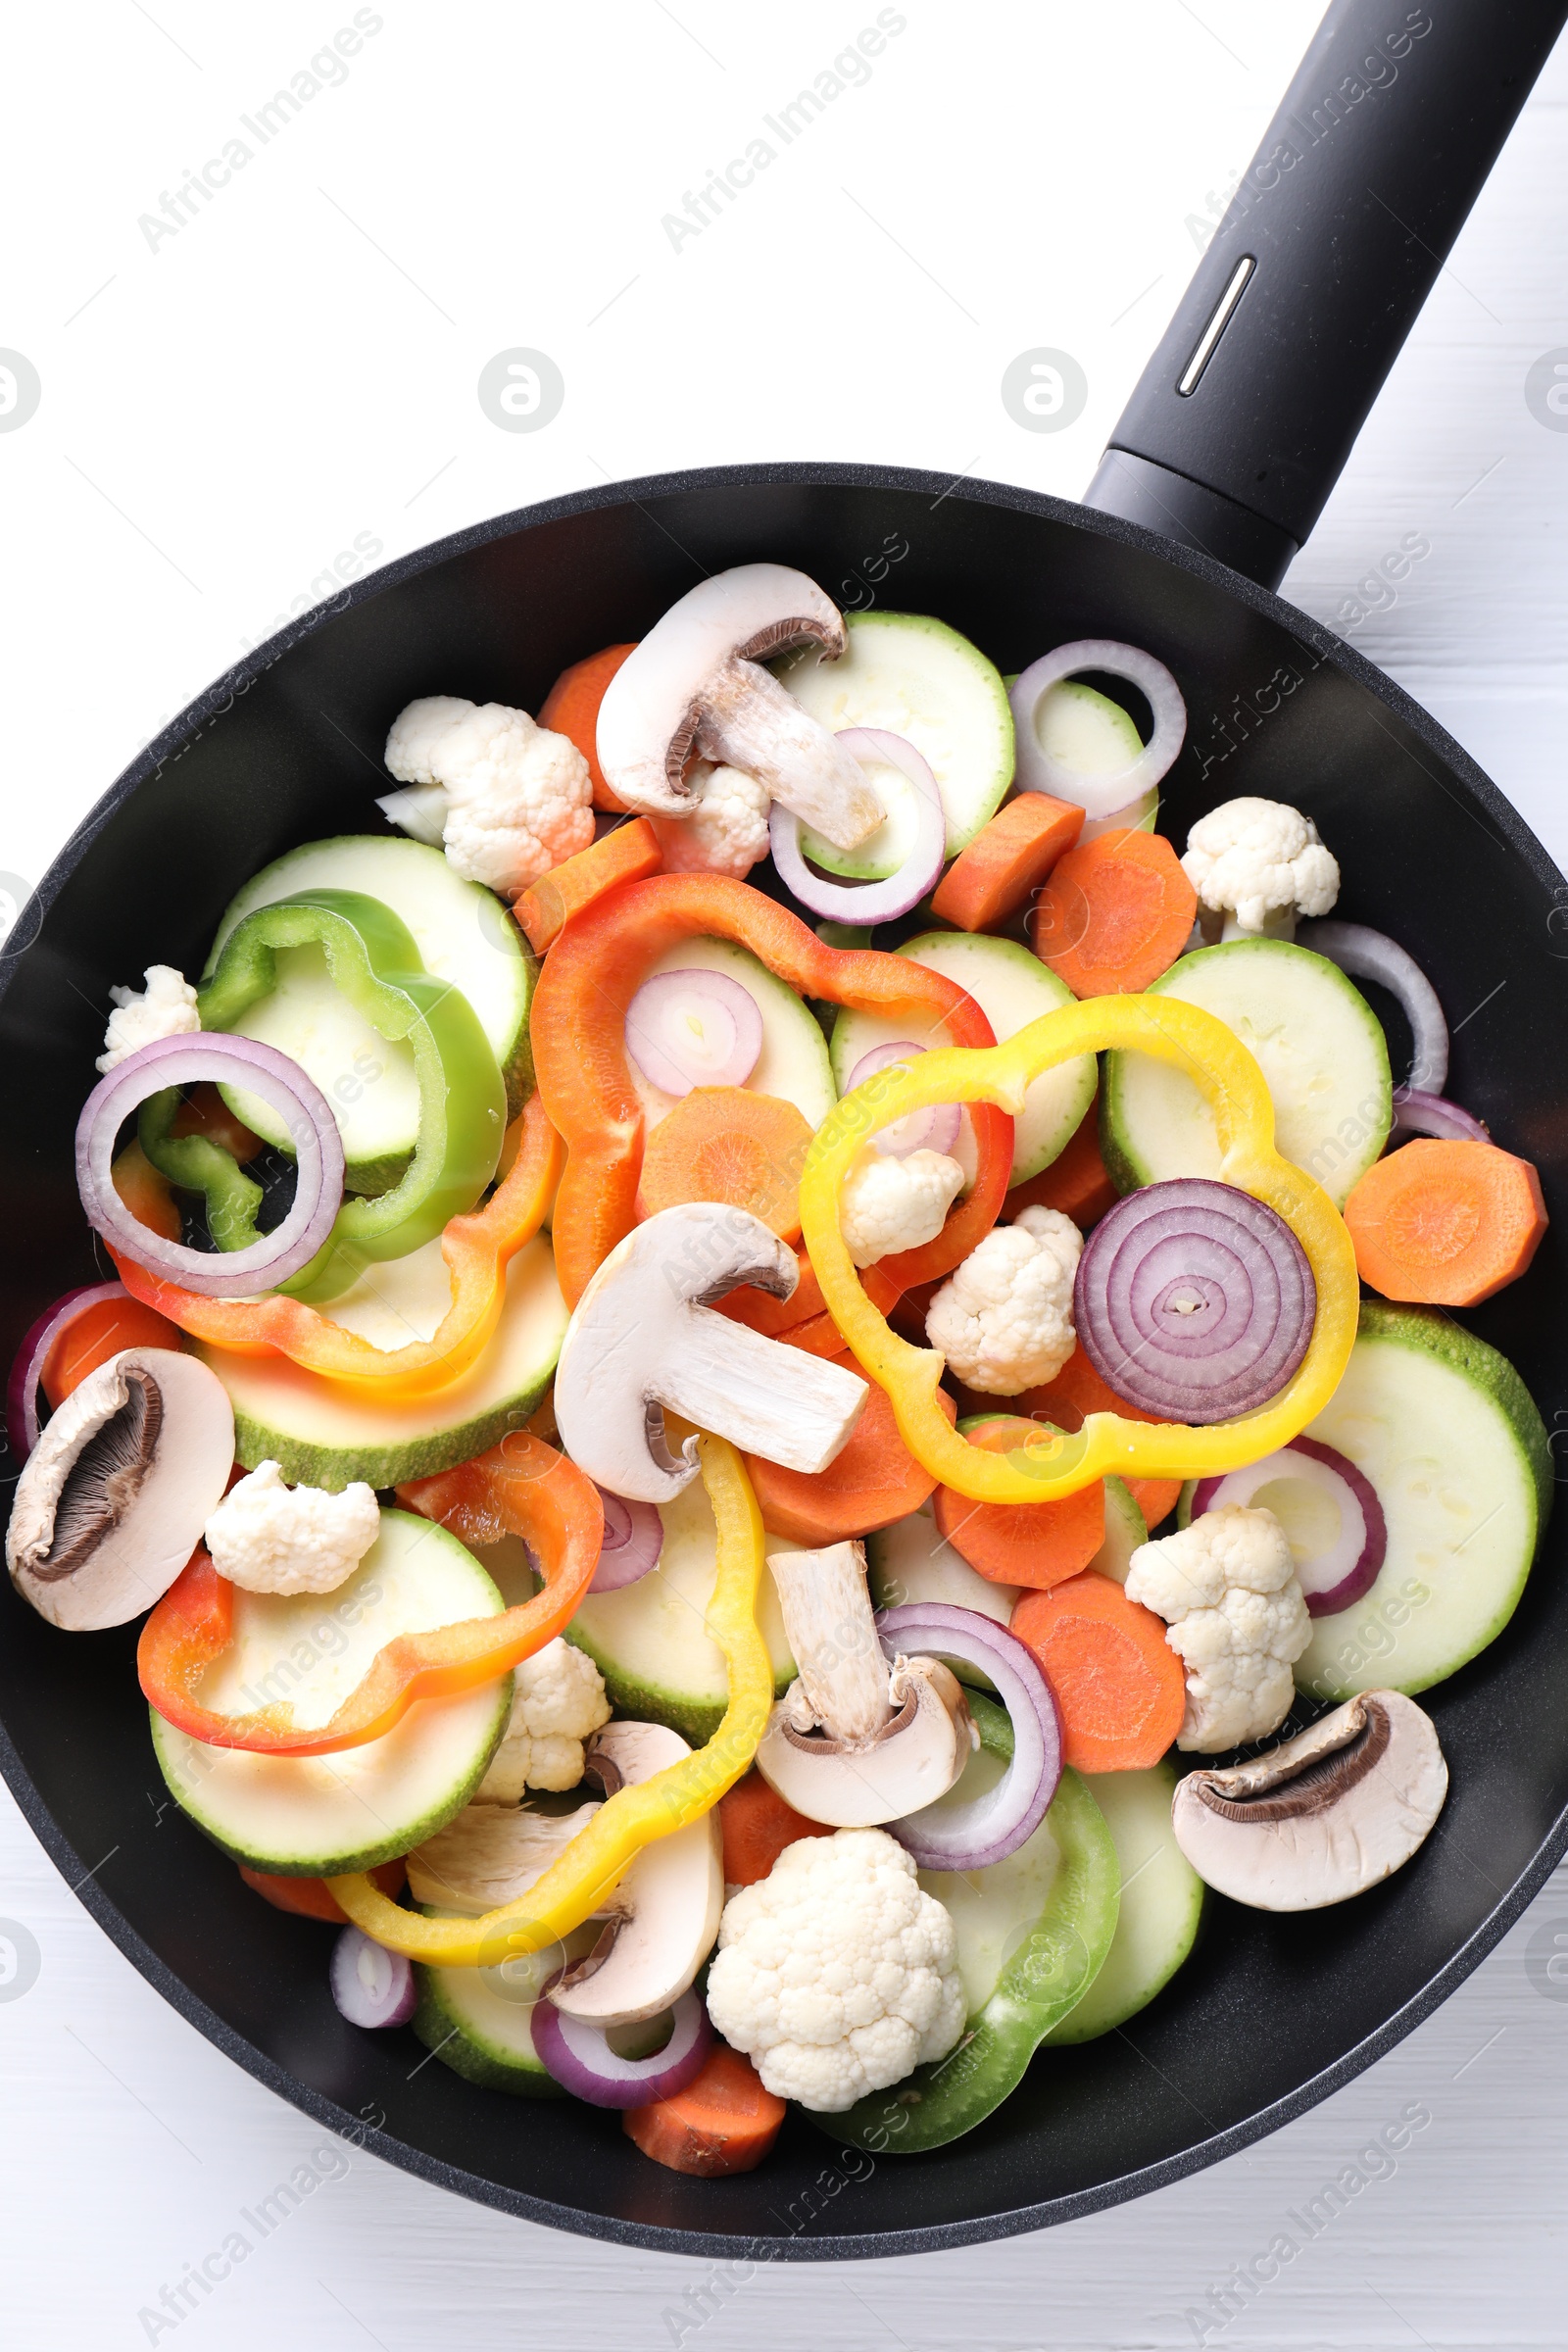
557,1702
519,797
165,1007
1004,1318
1227,1588
887,1204
726,832
837,1973
1261,863
269,1538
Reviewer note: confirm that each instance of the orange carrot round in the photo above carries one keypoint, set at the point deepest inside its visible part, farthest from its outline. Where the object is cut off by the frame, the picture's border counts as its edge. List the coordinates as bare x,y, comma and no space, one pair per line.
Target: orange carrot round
313,1898
725,1143
626,854
723,2121
205,1112
1445,1223
572,709
1076,1182
1034,1544
757,1824
1068,1401
1006,860
1118,1685
874,1480
1115,914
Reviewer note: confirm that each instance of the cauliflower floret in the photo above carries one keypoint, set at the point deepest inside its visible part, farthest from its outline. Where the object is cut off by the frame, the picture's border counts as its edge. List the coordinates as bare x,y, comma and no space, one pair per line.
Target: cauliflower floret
166,1007
269,1538
837,1973
726,832
1003,1320
1227,1588
519,797
887,1204
557,1702
1261,863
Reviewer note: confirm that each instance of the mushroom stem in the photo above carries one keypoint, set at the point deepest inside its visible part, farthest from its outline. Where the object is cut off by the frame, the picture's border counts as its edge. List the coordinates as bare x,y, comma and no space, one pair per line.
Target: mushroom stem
844,1681
750,721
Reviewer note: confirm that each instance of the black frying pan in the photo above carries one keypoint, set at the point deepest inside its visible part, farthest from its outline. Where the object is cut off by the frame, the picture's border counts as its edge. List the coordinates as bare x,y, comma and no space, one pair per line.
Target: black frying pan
1270,2013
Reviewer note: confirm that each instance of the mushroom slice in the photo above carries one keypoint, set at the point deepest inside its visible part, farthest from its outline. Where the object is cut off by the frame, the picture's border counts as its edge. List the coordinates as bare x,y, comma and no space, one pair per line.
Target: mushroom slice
642,1338
1321,1816
663,1915
694,685
490,1854
853,1744
113,1498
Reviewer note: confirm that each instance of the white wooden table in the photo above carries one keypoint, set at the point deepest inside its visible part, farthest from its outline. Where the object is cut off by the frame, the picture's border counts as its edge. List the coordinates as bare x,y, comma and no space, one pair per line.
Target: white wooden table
288,379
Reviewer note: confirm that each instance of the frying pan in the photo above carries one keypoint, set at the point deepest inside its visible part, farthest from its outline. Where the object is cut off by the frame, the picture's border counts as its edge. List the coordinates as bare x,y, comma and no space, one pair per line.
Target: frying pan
1357,192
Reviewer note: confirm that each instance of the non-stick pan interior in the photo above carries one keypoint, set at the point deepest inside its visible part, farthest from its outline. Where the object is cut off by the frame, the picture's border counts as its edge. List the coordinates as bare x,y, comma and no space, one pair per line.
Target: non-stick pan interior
1269,2012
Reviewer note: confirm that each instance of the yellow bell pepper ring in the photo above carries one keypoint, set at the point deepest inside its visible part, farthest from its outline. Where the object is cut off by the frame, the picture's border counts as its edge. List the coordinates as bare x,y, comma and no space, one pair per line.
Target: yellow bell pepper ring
1053,1465
575,1885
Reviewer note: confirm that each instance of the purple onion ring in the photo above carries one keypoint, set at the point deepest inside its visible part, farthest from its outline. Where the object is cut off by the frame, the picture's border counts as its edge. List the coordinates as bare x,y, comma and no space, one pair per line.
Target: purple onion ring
634,1537
1334,1578
969,1836
581,2060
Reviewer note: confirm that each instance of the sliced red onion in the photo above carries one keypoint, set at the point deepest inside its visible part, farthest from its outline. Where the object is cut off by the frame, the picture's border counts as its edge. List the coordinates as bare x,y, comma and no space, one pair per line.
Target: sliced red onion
934,1129
580,2059
1337,1575
370,1986
1368,954
285,1089
26,1369
1098,795
694,1028
867,902
1194,1302
1418,1114
968,1836
1138,816
634,1537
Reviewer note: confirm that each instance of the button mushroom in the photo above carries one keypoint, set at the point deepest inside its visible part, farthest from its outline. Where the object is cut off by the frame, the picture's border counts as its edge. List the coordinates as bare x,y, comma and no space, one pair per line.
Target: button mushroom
1321,1816
855,1742
113,1498
490,1854
694,684
642,1338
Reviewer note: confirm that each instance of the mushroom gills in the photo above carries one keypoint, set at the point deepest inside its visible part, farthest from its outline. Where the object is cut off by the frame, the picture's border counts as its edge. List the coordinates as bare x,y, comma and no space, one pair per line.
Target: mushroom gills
1323,1816
103,1481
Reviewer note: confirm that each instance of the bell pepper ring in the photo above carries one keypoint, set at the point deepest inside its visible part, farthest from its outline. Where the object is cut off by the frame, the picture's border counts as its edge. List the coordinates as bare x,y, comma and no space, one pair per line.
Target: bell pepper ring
522,1485
602,957
373,961
477,1250
1056,1465
576,1884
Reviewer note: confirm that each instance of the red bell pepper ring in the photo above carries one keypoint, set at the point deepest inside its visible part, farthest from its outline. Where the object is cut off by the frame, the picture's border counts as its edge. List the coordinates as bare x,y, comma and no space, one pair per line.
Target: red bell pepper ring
520,1487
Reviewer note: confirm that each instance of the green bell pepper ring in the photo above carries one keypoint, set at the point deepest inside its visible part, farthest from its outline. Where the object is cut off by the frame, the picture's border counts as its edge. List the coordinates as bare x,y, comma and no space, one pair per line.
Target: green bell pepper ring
1052,1969
372,958
196,1165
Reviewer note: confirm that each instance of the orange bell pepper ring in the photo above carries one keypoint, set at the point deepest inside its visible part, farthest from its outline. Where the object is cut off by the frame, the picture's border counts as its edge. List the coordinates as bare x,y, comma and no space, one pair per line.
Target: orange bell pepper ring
477,1248
520,1487
601,959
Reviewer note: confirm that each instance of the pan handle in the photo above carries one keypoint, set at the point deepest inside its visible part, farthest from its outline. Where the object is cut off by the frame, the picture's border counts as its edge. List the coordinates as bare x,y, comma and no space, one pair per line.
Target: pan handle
1242,421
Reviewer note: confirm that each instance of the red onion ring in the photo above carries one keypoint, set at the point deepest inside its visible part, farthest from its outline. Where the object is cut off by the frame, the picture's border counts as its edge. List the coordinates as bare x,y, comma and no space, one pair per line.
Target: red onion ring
953,1836
284,1087
1419,1114
580,2059
1098,795
869,902
1368,954
1194,1302
934,1129
26,1368
370,1986
1340,1574
677,1052
634,1537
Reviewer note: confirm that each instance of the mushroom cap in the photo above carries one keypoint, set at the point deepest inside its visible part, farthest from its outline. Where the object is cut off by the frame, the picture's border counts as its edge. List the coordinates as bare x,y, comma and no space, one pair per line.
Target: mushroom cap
911,1761
490,1854
1321,1816
113,1498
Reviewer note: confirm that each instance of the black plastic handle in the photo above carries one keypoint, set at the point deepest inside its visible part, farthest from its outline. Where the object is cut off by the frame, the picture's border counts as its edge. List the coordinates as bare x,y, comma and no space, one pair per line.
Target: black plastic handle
1244,418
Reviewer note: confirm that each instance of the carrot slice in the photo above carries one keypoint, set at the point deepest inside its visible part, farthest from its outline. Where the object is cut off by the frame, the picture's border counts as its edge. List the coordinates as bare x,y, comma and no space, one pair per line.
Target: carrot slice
726,1142
572,709
1076,1182
626,854
91,1338
1446,1223
1008,858
313,1898
1115,914
1118,1685
757,1824
723,2121
1036,1544
872,1481
205,1112
1068,1401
